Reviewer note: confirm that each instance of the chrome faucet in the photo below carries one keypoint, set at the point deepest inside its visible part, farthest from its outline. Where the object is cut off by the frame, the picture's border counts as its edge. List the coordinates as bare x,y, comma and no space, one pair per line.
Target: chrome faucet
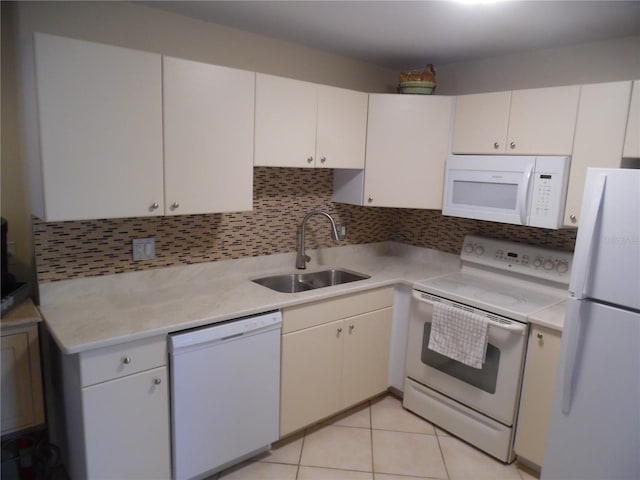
302,258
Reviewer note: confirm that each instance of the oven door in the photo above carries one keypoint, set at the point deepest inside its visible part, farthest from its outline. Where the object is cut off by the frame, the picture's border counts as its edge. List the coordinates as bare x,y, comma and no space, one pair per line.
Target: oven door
493,390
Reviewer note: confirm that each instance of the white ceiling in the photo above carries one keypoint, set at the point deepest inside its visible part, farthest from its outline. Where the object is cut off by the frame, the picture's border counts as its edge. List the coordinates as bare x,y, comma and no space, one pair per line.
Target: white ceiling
405,34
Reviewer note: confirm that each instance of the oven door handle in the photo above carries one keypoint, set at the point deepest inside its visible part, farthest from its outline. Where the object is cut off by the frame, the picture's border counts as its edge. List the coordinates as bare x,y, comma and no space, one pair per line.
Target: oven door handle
512,327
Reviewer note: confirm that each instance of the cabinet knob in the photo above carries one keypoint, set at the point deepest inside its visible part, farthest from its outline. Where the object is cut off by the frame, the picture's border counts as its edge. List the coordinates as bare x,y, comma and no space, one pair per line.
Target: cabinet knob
175,205
539,335
370,199
310,160
126,360
573,218
154,206
339,329
496,145
323,159
351,327
512,145
157,381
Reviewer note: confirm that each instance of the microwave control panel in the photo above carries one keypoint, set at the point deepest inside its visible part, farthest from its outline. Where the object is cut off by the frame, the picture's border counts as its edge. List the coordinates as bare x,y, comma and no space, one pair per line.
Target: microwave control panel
528,260
548,194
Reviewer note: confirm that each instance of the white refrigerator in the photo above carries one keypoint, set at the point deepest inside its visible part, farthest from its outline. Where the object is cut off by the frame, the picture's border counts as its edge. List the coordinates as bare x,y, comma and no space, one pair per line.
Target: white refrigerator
594,429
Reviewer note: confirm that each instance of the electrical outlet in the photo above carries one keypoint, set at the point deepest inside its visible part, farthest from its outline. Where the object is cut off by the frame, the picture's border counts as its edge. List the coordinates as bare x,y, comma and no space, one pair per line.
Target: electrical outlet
144,249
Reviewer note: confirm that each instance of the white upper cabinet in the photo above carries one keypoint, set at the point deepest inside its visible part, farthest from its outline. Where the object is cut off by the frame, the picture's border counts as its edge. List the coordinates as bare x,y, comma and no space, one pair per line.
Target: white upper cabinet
302,124
537,121
99,149
632,138
342,128
599,137
407,145
208,137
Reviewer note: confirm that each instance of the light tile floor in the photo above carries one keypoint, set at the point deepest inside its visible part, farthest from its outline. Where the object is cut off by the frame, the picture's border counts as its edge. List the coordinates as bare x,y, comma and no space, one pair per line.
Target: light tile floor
377,440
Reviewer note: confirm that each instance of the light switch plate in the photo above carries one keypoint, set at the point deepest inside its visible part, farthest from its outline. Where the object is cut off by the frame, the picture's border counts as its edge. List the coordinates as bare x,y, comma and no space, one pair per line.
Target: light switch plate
144,249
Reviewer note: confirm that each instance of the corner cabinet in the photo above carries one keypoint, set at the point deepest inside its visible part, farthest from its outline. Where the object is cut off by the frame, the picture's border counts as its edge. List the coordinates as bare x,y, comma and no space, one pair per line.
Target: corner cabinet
306,125
407,146
208,137
119,400
599,138
543,353
335,354
538,121
22,401
97,145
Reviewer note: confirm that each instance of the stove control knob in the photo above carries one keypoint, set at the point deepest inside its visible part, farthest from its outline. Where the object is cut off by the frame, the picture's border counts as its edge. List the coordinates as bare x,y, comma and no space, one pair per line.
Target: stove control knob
468,248
548,264
537,262
479,250
562,267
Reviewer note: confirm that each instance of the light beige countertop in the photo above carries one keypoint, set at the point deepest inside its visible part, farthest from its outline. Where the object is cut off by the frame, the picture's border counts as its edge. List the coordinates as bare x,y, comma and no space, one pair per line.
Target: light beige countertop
93,312
23,314
550,317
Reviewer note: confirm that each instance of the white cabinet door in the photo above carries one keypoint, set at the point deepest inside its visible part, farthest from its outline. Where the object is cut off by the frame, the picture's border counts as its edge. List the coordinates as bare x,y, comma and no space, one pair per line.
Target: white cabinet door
599,137
127,427
407,145
542,121
632,138
285,119
208,137
481,122
342,128
537,393
22,405
100,130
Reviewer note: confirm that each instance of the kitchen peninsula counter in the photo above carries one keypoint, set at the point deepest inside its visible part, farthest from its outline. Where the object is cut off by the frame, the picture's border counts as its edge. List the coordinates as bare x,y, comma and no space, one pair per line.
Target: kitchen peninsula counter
87,313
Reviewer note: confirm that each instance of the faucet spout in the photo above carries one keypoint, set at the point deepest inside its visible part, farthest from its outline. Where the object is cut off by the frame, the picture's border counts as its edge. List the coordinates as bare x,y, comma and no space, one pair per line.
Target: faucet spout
302,258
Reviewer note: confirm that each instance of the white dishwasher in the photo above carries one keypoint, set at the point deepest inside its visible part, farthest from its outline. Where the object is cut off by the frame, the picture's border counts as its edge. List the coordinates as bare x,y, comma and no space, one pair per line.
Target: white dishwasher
225,393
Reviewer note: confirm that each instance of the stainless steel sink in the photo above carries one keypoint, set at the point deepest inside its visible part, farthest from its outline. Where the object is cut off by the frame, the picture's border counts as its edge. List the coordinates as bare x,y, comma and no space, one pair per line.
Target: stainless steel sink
300,282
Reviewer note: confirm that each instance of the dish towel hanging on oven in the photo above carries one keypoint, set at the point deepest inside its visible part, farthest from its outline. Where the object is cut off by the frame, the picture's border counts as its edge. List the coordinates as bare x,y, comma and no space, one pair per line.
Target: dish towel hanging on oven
458,334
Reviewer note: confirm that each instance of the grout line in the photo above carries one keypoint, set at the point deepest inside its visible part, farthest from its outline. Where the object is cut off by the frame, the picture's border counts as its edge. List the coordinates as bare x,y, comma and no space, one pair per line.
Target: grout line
444,462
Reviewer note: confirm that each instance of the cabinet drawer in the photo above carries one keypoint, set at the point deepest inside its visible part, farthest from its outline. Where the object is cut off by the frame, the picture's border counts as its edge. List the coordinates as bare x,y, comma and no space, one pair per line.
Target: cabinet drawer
324,311
120,360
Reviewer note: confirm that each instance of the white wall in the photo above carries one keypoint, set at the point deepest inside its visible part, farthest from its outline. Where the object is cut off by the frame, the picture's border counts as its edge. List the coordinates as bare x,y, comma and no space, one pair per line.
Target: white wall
597,62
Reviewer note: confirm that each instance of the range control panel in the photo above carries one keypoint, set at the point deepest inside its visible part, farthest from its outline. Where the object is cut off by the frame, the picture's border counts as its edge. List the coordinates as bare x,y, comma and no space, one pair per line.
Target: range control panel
553,265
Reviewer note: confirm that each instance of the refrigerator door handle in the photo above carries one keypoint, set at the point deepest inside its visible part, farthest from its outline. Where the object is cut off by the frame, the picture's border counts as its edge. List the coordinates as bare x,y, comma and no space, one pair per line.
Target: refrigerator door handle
584,243
572,333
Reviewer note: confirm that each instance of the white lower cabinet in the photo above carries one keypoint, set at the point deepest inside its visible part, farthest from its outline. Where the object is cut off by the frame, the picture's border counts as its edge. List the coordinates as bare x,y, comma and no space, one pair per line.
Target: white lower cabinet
335,354
117,409
539,382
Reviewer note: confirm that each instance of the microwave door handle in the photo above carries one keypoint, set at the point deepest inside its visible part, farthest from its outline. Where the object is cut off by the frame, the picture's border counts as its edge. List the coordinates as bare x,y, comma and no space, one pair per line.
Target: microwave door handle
523,193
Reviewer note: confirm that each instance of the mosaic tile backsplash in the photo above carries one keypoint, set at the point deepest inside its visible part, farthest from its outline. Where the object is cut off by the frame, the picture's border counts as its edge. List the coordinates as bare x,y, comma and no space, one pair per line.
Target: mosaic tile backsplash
281,198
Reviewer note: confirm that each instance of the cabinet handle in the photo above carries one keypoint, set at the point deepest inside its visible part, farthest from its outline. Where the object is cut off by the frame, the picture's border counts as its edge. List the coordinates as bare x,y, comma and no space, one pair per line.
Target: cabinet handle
339,329
496,145
157,381
126,360
154,206
573,218
370,199
323,159
310,160
512,145
540,336
175,205
351,327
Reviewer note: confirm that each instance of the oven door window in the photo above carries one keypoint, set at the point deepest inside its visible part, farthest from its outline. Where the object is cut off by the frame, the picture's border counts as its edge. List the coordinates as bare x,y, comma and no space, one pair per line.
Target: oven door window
484,379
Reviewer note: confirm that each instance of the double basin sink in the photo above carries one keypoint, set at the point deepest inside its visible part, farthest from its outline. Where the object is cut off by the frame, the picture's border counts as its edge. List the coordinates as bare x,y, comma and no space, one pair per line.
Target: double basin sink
301,282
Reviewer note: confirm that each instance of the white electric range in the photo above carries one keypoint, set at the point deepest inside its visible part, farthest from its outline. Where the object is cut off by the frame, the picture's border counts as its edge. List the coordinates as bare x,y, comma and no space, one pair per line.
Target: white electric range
505,283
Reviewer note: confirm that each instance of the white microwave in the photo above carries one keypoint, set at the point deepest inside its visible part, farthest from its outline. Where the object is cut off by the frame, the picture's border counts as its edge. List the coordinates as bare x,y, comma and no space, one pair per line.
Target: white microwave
523,190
